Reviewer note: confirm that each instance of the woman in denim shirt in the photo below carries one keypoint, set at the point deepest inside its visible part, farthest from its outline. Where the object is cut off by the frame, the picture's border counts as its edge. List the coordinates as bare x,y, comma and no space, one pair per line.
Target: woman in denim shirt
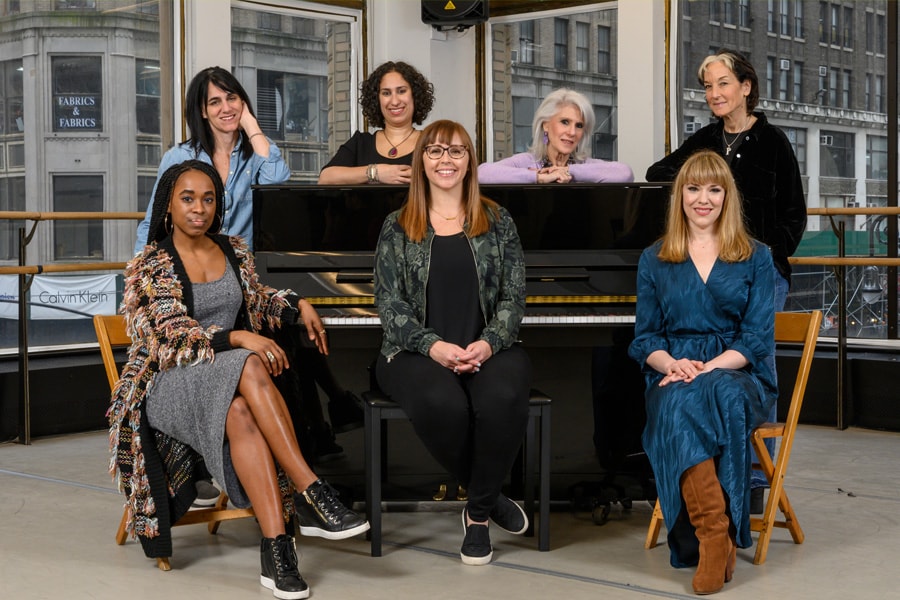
225,134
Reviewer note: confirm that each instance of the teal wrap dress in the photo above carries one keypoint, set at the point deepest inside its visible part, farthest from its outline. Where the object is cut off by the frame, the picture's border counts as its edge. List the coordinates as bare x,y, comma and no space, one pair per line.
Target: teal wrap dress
712,416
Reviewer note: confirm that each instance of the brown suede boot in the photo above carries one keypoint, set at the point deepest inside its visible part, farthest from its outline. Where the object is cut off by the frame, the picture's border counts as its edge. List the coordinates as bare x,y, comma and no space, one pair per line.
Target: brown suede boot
705,503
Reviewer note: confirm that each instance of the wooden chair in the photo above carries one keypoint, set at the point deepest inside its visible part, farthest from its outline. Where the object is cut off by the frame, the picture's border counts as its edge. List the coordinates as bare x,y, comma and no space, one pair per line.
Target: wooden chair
111,334
790,328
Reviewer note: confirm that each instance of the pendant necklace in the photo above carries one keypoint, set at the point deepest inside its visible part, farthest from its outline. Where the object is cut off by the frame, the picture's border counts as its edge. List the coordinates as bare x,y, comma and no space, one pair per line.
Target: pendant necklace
393,151
725,139
456,216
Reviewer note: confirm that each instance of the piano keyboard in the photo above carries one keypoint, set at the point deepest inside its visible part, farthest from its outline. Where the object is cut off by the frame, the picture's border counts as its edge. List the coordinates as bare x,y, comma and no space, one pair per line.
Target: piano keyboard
372,321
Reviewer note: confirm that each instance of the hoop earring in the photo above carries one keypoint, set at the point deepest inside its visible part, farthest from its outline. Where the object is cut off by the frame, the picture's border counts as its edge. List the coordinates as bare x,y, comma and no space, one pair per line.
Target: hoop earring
167,223
546,138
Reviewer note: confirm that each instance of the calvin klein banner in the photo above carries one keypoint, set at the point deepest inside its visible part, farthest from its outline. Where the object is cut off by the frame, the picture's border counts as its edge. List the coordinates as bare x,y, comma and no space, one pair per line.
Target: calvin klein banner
78,297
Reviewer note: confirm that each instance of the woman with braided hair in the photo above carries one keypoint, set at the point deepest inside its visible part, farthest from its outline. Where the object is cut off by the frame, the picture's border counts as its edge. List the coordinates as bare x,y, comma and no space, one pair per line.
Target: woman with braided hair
199,372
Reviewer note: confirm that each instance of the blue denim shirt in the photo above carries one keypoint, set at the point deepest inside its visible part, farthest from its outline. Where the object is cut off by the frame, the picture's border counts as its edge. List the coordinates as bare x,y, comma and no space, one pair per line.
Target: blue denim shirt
238,195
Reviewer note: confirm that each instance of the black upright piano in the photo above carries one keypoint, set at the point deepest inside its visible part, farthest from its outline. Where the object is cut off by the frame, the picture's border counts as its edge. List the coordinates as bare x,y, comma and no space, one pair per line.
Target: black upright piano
582,243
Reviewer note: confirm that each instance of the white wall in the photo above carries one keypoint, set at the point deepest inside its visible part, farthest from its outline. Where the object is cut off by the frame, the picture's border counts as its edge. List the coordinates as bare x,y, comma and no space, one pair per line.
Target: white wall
641,69
396,32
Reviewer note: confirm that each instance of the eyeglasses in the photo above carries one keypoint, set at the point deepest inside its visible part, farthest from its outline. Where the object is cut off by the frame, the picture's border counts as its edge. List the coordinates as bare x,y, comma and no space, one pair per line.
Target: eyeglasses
435,152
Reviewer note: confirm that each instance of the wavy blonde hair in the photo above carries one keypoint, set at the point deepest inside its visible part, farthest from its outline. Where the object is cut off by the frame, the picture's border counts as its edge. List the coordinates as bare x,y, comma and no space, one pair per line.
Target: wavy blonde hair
702,168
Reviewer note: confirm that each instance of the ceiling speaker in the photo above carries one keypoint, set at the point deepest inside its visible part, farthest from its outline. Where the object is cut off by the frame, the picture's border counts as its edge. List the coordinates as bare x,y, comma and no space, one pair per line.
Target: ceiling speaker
444,15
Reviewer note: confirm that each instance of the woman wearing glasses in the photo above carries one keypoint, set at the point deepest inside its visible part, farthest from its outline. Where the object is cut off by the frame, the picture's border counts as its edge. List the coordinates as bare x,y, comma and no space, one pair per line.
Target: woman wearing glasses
450,292
560,148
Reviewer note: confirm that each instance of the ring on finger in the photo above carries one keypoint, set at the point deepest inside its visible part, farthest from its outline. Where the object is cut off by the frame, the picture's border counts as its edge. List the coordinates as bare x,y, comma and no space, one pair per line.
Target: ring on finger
270,356
456,370
322,332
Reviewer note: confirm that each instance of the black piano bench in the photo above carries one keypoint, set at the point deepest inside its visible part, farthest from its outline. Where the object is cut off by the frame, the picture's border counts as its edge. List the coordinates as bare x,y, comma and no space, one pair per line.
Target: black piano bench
380,408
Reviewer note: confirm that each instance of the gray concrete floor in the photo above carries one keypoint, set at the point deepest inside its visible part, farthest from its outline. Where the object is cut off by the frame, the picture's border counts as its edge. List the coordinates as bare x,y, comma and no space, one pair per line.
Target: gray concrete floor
59,511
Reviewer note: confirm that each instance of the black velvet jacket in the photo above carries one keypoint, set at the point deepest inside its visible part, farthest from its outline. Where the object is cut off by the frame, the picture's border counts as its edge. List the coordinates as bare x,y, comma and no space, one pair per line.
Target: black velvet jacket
768,177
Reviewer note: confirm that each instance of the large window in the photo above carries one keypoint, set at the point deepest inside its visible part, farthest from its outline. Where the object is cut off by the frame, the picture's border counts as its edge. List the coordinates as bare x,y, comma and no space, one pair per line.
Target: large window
302,77
78,239
77,93
519,87
12,198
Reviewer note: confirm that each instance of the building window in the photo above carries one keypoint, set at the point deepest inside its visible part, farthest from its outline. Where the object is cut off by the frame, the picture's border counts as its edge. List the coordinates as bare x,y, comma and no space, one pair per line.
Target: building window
75,5
728,12
604,142
523,113
784,18
836,154
604,50
145,185
268,21
77,93
771,88
146,106
561,44
770,16
783,72
833,75
880,99
12,198
847,27
823,22
798,82
78,239
526,42
715,15
835,23
12,117
880,34
798,19
303,26
845,89
744,13
291,106
581,47
876,157
797,137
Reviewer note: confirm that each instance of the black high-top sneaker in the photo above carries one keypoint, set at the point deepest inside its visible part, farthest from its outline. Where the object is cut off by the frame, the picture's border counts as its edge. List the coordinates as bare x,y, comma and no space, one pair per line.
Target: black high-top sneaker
279,570
321,514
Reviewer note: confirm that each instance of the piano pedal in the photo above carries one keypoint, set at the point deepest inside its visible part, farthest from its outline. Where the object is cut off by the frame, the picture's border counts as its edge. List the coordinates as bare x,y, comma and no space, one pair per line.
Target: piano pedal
441,493
462,493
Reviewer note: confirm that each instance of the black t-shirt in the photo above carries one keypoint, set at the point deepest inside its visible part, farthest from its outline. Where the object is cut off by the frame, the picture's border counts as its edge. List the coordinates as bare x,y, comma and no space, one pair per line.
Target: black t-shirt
360,150
453,309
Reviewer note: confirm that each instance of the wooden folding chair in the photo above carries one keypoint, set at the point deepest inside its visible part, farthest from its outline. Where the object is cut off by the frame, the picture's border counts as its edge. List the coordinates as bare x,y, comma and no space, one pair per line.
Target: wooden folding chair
790,328
111,334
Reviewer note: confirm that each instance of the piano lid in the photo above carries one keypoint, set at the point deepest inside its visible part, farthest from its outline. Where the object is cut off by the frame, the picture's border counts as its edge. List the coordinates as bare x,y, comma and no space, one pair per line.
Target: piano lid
558,224
582,242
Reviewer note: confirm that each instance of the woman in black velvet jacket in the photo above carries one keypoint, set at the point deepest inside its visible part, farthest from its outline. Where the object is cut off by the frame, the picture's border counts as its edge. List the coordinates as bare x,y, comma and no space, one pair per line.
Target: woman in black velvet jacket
759,154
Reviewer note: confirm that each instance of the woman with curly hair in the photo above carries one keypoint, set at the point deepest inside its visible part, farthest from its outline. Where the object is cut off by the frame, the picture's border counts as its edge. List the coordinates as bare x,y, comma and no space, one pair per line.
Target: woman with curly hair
394,98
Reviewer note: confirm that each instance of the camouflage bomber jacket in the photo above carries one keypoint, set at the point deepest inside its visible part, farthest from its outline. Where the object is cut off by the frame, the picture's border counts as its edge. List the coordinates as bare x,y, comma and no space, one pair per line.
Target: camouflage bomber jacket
401,275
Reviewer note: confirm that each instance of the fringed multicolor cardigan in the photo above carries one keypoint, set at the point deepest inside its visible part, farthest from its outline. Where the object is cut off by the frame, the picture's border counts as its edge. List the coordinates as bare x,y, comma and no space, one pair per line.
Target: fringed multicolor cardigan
157,478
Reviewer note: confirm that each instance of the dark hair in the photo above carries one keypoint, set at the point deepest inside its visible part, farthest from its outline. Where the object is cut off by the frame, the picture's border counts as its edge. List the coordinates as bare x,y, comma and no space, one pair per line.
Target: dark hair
742,69
422,92
164,187
195,102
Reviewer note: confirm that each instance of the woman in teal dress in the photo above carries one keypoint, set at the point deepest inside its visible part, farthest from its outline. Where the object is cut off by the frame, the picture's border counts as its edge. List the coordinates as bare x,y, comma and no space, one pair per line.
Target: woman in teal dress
704,330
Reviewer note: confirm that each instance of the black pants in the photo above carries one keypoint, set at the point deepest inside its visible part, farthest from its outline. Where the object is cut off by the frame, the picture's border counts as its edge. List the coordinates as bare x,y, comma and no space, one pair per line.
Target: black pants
473,424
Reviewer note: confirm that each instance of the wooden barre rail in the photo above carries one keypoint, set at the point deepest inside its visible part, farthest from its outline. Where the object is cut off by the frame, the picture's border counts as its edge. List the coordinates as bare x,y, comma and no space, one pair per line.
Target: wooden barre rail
68,216
62,268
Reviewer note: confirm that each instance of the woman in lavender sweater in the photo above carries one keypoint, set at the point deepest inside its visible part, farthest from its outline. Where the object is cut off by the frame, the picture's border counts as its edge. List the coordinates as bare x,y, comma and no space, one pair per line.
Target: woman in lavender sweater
559,148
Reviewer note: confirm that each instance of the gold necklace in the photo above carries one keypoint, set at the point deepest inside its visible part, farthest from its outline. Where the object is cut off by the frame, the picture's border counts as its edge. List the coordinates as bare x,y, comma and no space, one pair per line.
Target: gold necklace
725,139
393,151
456,216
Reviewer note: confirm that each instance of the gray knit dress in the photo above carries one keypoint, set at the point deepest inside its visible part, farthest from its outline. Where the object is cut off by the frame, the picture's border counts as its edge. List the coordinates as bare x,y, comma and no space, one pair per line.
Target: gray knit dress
190,402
